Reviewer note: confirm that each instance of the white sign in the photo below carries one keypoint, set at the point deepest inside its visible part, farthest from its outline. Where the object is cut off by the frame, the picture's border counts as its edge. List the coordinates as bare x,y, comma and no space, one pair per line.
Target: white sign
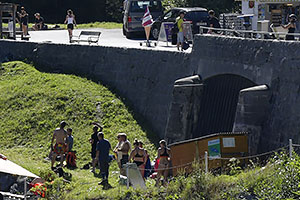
228,142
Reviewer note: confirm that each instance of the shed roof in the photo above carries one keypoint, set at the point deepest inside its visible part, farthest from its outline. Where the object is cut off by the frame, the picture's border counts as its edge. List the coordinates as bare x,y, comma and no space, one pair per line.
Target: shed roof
208,136
9,167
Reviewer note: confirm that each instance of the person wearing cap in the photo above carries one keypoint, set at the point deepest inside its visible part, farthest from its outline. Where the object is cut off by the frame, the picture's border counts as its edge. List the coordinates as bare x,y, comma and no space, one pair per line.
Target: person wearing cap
180,35
291,26
122,149
94,140
102,156
213,22
24,21
60,147
39,22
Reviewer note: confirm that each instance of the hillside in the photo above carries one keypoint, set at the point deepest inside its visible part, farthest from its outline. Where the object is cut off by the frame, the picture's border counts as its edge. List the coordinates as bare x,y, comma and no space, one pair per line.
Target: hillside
33,103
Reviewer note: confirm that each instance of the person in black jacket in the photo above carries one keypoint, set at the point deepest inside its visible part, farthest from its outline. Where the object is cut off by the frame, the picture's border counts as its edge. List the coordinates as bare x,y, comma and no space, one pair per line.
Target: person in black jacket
213,22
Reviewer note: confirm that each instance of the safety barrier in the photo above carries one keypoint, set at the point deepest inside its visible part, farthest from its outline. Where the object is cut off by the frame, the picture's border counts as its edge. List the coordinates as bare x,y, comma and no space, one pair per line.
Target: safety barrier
253,34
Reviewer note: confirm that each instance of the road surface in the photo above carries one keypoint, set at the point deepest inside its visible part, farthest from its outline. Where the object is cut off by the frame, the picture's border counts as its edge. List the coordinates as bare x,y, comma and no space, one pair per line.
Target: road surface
109,37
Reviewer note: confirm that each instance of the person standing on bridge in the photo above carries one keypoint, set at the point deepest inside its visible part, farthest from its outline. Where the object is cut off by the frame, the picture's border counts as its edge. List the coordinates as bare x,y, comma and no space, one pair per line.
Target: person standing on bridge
180,35
71,22
291,26
213,22
24,21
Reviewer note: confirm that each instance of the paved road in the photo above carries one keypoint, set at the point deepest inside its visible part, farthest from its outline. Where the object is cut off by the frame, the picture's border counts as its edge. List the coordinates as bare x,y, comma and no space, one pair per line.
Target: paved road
109,37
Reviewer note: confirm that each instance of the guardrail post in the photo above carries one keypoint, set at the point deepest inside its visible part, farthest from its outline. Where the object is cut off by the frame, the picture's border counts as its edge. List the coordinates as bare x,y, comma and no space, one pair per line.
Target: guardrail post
291,148
127,174
206,162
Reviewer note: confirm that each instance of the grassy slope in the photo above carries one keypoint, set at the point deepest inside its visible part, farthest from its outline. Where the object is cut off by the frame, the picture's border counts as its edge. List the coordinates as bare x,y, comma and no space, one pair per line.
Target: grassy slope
33,103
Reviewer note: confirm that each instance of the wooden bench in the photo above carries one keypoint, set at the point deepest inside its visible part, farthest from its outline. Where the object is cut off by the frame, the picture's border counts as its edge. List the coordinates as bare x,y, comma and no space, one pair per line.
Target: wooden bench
87,36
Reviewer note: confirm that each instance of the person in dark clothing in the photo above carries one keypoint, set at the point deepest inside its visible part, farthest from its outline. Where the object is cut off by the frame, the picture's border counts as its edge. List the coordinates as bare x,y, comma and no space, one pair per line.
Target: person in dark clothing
102,156
291,26
213,22
39,22
94,140
24,21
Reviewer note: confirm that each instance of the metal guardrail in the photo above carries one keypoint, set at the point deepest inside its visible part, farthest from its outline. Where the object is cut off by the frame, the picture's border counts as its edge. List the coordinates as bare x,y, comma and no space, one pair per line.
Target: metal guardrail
246,33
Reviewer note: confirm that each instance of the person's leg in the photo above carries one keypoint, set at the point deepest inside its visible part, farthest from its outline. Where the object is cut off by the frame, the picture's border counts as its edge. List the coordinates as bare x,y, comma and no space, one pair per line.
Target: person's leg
70,37
53,160
159,173
62,158
166,173
23,29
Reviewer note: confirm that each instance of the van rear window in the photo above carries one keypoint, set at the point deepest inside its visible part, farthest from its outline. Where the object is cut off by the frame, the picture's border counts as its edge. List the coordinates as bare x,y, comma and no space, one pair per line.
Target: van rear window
140,6
196,16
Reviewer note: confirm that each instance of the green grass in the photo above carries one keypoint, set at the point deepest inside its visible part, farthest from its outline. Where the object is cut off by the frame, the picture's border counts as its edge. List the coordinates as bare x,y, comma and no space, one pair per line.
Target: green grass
33,103
106,25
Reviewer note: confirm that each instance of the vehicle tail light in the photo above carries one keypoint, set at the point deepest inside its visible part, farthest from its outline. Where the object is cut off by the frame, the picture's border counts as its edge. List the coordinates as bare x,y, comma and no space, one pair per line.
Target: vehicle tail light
129,19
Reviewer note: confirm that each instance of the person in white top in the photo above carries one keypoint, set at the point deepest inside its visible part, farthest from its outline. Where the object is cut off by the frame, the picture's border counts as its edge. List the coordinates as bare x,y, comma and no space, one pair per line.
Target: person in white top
70,21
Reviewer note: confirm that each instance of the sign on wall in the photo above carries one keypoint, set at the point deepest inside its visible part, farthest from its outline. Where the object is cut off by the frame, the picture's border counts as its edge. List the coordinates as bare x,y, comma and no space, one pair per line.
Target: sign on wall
214,150
228,142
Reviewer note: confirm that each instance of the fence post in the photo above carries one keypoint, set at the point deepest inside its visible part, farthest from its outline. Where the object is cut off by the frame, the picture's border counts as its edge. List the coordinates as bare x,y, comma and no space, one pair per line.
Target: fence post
127,174
291,148
206,162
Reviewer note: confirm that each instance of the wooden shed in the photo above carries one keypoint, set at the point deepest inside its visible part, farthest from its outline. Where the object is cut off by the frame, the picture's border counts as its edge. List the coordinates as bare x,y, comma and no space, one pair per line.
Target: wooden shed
219,145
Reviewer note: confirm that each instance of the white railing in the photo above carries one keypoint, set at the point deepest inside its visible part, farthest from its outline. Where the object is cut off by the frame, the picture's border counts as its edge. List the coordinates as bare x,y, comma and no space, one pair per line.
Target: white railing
246,33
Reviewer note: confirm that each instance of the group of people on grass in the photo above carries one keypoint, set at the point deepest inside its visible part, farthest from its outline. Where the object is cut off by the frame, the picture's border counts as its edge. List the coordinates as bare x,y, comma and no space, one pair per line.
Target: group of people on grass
123,153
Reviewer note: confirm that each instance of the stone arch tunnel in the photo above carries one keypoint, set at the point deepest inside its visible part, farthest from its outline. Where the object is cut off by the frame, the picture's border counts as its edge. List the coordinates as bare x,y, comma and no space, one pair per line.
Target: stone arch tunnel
221,103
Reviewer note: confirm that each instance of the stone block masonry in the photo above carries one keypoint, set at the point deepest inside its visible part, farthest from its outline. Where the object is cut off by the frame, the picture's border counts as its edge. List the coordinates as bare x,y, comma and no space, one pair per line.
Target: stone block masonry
145,78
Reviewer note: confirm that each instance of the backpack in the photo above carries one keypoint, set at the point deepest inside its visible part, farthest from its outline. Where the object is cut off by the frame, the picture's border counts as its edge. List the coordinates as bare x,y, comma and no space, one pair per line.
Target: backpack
71,159
175,28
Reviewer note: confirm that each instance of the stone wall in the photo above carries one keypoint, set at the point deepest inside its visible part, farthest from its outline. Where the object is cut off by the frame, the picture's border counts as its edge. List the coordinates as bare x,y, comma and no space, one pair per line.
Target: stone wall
145,78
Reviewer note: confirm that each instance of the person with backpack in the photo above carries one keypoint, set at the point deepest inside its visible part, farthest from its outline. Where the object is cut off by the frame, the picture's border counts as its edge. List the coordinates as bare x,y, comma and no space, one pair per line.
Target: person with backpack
71,156
180,35
213,22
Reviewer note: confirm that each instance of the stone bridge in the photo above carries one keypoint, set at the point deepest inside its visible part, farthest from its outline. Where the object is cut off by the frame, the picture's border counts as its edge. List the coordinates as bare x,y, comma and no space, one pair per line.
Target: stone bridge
225,84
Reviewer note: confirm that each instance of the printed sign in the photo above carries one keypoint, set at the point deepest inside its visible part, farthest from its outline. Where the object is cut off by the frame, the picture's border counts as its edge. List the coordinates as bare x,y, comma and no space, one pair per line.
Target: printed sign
228,142
214,150
187,31
165,33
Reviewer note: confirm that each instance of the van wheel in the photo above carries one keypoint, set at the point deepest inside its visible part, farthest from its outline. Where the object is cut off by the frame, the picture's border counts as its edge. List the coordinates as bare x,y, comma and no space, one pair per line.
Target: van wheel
128,35
155,33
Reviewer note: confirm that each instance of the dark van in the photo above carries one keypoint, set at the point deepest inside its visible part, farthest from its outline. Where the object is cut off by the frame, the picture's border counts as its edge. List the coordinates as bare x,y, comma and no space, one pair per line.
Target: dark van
134,11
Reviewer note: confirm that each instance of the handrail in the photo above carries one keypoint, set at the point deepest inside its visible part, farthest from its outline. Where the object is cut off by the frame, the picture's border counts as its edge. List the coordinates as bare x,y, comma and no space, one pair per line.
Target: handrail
251,32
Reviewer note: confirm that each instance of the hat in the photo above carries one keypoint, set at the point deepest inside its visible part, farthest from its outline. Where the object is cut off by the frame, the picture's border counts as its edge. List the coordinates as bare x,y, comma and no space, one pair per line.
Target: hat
63,123
292,16
122,134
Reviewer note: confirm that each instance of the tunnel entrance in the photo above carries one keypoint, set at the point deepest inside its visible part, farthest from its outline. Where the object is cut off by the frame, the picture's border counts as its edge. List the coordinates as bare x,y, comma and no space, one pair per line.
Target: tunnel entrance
219,103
